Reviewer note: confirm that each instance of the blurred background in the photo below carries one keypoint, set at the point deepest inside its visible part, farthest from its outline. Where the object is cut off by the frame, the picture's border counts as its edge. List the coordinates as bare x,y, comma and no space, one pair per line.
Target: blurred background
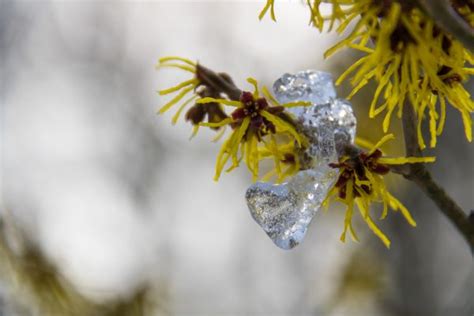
107,209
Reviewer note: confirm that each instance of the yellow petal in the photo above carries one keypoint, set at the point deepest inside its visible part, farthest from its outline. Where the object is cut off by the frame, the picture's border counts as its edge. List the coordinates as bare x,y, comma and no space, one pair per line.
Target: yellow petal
178,86
175,100
168,58
222,101
404,160
181,108
381,142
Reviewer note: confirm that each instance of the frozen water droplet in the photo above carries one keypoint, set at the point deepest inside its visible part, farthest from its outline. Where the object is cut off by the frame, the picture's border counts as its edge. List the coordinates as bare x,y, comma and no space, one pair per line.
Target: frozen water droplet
284,211
337,116
314,86
321,148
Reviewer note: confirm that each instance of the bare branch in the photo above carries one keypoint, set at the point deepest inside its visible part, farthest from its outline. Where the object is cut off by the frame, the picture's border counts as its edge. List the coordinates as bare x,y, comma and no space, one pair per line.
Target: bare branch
422,177
220,82
449,20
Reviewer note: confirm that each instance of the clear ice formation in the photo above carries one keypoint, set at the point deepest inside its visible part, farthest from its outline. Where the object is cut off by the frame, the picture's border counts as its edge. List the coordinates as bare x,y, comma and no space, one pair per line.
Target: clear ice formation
326,125
284,211
314,86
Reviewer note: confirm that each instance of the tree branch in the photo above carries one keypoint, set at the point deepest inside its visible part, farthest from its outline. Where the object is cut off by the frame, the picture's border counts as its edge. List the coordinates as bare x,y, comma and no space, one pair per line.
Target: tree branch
449,20
422,177
220,82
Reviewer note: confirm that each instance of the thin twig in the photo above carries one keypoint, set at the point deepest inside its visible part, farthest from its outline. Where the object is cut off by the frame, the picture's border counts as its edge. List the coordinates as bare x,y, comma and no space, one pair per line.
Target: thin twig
422,177
218,81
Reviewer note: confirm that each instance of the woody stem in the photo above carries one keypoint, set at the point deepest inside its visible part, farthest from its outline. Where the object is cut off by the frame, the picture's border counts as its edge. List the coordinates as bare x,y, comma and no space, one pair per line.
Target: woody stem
419,174
218,81
449,20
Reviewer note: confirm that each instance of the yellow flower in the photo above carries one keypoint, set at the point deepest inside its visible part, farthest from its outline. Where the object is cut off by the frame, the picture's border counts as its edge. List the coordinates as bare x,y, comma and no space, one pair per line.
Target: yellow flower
412,61
257,126
316,18
337,13
285,159
269,5
409,57
361,182
214,112
261,127
182,89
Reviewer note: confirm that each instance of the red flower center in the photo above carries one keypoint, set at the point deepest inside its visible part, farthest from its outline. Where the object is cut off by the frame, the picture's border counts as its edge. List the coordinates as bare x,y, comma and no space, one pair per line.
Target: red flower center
252,108
355,167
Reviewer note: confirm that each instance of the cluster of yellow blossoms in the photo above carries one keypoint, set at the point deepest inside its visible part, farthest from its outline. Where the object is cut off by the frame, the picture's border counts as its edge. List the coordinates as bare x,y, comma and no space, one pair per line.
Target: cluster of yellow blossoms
260,126
361,182
262,129
413,61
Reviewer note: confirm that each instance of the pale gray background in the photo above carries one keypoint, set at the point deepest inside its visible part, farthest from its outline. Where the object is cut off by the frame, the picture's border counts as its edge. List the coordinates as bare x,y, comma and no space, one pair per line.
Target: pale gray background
117,197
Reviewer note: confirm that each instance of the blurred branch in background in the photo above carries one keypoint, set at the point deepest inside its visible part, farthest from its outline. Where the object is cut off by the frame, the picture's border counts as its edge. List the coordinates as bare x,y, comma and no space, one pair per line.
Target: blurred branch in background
362,287
446,17
105,55
36,287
